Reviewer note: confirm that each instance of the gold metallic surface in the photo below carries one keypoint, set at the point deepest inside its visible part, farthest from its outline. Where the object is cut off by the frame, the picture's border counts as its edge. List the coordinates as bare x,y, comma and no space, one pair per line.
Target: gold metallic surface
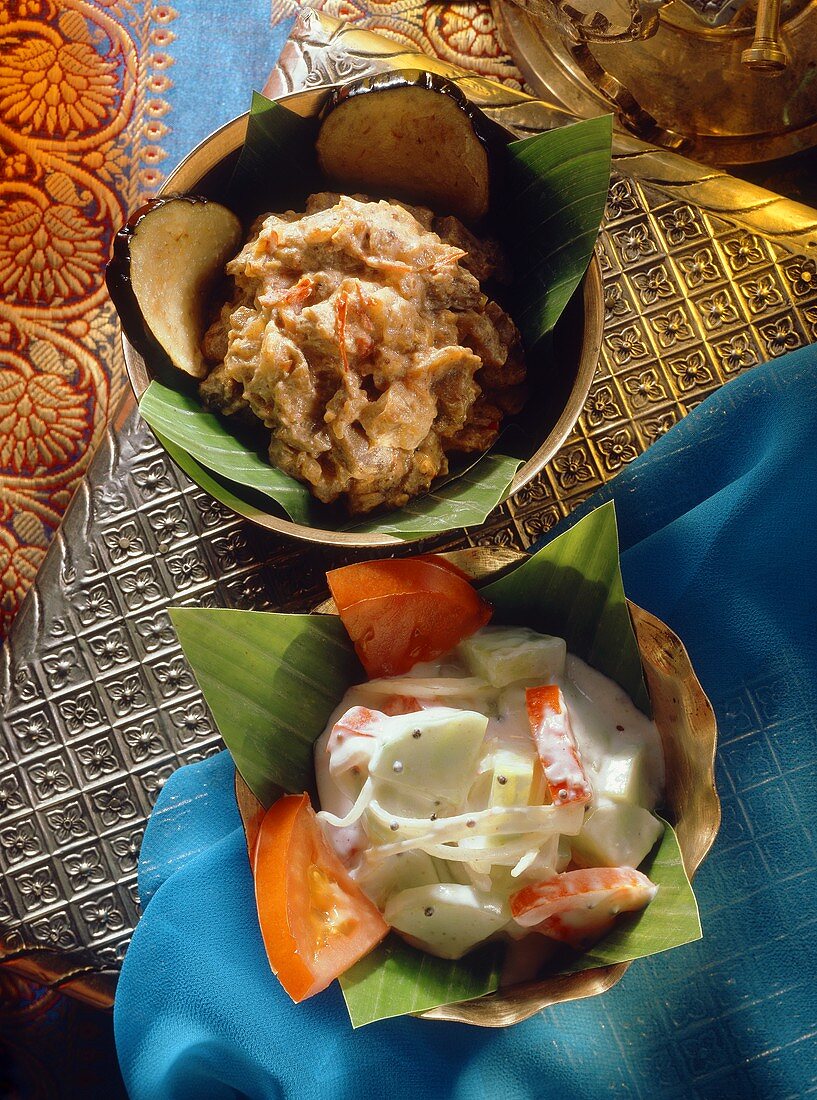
322,51
58,970
251,811
686,87
205,159
766,54
686,722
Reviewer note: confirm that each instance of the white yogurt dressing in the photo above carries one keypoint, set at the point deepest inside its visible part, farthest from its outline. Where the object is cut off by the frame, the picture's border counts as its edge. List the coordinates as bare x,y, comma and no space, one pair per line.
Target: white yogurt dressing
619,747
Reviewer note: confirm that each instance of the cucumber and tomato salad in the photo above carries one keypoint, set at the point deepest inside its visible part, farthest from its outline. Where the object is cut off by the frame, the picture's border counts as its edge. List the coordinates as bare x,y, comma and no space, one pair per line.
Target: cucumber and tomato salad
443,822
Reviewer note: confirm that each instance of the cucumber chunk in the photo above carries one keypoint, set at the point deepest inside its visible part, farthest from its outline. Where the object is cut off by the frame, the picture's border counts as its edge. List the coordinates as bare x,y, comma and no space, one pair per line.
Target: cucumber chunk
447,919
617,834
624,776
503,656
512,778
435,750
403,872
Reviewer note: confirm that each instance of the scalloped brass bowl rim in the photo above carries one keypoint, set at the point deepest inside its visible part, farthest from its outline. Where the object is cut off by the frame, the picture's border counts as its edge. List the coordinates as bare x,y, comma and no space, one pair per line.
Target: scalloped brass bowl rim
688,729
206,156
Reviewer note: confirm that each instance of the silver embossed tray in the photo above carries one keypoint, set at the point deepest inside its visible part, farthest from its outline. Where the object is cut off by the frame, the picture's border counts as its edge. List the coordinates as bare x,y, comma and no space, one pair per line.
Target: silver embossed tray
705,276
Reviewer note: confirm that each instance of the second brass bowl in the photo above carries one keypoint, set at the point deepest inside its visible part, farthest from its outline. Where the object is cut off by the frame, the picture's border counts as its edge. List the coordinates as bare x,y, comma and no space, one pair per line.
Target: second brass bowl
207,170
686,723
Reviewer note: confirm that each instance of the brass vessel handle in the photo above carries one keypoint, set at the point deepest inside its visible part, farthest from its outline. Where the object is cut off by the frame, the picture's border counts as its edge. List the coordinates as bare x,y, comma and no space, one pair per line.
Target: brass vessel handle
595,26
766,54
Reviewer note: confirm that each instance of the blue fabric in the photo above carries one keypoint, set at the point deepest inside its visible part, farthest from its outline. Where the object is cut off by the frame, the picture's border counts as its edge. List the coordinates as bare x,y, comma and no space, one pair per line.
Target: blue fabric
215,43
717,527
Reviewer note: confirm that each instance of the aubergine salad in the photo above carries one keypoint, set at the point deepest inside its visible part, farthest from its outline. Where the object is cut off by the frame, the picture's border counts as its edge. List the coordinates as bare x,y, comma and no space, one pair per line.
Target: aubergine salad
360,335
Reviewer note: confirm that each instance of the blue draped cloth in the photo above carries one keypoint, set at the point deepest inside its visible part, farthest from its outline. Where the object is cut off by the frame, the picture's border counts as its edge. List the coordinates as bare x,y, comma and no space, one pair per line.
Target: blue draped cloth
717,523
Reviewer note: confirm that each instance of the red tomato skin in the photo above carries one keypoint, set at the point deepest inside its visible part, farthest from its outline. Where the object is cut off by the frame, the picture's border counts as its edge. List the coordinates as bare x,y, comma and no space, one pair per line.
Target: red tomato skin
365,580
290,848
399,612
568,783
540,699
400,704
269,871
579,938
559,894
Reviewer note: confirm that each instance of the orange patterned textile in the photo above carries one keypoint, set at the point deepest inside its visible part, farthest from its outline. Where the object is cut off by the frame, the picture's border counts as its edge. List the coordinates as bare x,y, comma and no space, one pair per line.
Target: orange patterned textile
82,119
84,135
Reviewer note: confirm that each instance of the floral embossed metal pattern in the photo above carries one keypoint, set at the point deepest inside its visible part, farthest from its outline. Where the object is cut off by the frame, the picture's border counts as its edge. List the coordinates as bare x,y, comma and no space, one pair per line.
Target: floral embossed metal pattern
99,704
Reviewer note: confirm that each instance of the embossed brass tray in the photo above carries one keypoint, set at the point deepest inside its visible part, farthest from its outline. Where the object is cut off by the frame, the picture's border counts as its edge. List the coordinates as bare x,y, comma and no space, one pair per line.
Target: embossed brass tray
577,336
704,276
686,723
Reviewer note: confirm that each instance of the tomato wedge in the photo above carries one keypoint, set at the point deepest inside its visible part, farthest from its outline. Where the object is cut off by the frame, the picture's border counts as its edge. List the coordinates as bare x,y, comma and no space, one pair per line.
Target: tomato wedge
399,612
577,907
315,921
556,746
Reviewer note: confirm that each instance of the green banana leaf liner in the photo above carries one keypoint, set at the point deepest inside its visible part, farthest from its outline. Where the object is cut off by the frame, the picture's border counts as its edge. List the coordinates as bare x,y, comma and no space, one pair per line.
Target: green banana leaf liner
547,215
272,680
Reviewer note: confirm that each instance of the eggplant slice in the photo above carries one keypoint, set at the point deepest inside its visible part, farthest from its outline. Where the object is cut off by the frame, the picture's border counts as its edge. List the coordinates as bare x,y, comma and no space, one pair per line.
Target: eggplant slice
408,134
165,263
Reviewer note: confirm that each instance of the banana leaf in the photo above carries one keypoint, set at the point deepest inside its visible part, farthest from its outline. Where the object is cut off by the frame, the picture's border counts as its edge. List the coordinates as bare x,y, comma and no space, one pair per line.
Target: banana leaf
575,585
272,680
220,462
396,979
557,190
548,215
179,417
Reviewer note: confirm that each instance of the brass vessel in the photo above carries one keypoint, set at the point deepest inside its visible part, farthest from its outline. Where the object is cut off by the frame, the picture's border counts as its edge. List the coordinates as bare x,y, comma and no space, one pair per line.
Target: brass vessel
207,169
686,723
738,93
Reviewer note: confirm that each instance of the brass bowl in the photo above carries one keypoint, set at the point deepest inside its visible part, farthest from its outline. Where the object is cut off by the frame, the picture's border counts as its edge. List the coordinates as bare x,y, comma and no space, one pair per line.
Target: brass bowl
207,171
686,723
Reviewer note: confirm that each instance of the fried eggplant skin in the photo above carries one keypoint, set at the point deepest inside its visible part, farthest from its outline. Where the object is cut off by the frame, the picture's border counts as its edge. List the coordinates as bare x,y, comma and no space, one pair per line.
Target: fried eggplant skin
411,134
161,289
